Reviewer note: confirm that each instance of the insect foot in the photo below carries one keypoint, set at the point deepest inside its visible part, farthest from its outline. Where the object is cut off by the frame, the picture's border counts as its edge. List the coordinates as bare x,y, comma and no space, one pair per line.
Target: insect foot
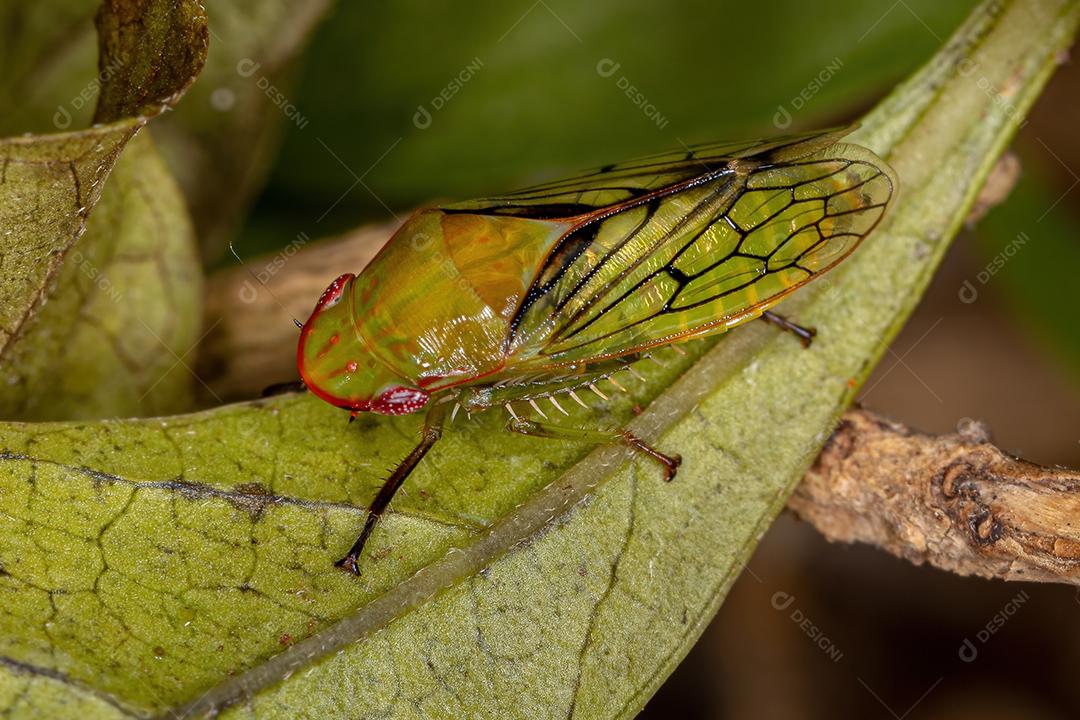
349,564
671,463
805,335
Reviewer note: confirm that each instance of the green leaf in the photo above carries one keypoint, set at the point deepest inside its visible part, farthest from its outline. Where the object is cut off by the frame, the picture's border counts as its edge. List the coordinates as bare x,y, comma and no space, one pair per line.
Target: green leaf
183,565
97,269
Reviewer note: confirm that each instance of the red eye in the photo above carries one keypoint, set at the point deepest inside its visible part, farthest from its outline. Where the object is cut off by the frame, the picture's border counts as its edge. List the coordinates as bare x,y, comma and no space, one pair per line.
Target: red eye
399,401
332,294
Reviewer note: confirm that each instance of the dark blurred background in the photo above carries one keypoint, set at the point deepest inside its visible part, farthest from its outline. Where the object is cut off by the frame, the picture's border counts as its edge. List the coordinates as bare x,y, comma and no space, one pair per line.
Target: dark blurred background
397,104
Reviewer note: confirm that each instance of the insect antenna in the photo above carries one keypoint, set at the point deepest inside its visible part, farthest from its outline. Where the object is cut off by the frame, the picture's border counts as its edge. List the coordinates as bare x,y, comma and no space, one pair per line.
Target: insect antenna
263,284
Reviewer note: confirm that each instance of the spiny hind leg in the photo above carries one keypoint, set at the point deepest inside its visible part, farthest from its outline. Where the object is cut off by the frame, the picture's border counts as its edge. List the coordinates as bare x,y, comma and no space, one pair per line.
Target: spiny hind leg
805,334
524,426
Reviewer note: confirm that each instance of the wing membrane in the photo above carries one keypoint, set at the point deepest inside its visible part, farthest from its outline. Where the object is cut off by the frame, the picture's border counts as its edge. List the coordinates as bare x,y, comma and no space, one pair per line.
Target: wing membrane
686,244
611,185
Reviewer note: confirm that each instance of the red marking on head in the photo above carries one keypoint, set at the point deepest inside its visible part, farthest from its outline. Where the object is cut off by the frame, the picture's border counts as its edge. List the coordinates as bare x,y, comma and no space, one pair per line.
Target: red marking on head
332,294
399,401
330,297
330,343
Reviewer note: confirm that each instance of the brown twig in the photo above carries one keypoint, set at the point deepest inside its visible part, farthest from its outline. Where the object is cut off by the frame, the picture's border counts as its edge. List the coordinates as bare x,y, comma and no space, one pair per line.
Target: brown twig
954,501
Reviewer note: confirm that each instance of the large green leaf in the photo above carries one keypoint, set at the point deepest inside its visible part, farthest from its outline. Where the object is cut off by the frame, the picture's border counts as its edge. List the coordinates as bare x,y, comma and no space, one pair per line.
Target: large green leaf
186,561
99,283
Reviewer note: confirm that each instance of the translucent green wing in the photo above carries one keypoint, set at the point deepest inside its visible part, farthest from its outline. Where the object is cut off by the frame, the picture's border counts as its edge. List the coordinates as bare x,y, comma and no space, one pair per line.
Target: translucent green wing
607,187
686,244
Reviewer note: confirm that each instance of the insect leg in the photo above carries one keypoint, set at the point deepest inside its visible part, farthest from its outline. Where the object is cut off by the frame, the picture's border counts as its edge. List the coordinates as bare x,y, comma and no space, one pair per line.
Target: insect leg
600,437
431,434
282,388
805,334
